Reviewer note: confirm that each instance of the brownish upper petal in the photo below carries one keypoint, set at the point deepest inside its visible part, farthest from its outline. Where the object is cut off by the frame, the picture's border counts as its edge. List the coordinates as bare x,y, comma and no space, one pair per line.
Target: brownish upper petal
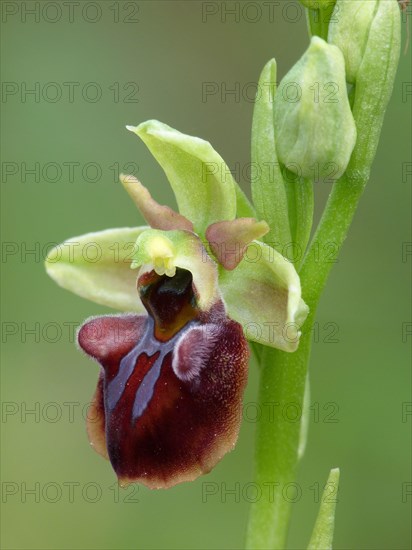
157,216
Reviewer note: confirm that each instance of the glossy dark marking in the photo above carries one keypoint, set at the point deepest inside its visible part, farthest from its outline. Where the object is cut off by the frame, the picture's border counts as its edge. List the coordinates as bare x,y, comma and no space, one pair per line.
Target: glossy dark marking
169,300
146,389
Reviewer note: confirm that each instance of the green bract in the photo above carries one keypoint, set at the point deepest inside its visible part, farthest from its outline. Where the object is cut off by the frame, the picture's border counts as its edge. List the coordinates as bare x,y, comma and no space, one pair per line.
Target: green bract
268,188
322,535
282,198
210,237
314,128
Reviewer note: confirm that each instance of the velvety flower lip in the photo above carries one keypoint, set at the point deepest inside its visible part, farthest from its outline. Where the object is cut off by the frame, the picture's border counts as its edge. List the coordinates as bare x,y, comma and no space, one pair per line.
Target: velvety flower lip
168,401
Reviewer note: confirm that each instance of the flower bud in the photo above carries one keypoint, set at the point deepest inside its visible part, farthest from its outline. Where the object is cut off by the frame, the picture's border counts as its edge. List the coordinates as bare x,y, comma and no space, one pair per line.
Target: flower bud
350,30
314,128
370,42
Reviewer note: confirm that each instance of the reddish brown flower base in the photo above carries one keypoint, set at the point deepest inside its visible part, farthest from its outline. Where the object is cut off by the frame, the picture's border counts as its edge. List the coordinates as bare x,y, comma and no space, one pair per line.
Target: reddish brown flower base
168,401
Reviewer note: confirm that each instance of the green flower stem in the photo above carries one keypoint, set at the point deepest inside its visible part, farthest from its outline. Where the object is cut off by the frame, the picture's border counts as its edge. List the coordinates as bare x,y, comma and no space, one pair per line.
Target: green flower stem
283,375
330,235
282,381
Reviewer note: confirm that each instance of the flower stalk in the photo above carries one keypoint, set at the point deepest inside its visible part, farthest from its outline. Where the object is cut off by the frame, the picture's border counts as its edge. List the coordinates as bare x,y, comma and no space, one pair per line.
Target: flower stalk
283,376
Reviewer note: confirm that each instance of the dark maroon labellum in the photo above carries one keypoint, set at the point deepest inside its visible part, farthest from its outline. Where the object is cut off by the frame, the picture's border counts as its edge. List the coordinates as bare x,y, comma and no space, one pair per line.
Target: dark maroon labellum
168,401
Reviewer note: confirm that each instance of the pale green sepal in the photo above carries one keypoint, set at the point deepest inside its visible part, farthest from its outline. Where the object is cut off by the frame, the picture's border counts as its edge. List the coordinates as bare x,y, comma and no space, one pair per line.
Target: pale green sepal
263,294
96,266
349,30
268,187
164,251
314,128
322,535
201,181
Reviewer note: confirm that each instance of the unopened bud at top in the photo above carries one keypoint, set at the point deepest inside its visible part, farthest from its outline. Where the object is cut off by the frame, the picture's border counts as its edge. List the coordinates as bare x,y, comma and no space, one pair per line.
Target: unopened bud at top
350,32
314,126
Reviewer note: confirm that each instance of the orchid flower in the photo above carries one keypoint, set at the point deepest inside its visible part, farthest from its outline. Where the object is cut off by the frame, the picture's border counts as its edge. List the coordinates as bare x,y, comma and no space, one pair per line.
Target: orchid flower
212,276
174,364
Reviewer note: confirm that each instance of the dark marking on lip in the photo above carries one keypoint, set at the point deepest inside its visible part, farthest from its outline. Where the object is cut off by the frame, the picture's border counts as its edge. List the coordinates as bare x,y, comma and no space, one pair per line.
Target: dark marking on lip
151,348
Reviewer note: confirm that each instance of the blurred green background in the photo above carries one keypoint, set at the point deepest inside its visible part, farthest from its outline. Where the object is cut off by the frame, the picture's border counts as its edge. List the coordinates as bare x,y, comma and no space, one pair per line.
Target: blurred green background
161,54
